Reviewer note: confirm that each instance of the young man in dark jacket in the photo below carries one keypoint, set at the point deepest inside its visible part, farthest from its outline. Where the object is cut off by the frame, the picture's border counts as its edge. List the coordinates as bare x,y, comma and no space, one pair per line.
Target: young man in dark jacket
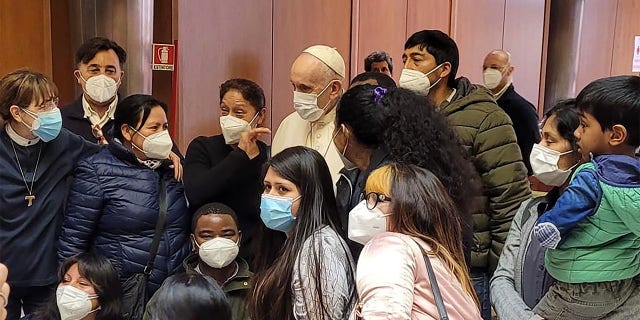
430,64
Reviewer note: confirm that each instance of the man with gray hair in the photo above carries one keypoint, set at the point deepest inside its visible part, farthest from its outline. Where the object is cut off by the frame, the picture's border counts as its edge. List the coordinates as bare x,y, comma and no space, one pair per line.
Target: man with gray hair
379,61
497,74
316,75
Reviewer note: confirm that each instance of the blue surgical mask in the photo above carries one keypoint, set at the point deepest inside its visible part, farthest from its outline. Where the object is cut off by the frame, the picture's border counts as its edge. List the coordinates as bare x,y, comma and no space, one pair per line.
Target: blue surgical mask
46,125
275,212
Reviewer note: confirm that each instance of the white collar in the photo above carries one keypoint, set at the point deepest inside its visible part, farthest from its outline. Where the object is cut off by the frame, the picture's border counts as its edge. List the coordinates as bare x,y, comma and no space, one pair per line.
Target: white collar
502,91
328,118
88,111
450,97
20,140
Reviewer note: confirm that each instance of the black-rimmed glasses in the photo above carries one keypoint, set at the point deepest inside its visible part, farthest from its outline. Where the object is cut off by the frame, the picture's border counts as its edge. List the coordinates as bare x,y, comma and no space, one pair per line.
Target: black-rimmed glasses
373,198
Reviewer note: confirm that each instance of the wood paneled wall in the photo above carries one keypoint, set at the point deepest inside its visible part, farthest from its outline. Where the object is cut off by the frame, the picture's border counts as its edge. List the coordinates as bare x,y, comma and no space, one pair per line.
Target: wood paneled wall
478,27
25,35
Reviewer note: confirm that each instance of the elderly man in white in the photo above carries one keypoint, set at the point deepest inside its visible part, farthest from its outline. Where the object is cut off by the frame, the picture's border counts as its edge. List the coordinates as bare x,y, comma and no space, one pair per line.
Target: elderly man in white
316,75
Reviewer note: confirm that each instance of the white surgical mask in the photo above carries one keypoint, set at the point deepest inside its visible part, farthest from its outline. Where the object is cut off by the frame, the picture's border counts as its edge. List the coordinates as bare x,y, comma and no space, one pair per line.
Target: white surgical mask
347,163
544,163
218,252
492,78
100,88
73,303
364,223
306,104
417,81
156,146
233,127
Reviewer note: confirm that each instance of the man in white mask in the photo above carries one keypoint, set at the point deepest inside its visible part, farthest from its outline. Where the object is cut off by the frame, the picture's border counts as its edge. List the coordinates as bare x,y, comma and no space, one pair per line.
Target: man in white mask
99,64
431,61
316,76
497,74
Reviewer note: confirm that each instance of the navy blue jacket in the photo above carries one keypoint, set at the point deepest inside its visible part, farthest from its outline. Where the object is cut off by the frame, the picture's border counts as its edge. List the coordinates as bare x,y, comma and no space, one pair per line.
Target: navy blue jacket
73,119
28,234
113,209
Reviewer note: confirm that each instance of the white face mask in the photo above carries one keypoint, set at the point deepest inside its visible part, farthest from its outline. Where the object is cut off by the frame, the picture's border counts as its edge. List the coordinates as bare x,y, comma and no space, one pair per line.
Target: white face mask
218,252
364,224
156,146
492,78
100,88
233,127
544,163
417,81
73,303
306,104
347,163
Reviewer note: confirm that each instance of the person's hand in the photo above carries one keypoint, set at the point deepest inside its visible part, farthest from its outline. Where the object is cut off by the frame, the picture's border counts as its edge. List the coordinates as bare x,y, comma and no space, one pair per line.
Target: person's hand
248,141
4,291
177,166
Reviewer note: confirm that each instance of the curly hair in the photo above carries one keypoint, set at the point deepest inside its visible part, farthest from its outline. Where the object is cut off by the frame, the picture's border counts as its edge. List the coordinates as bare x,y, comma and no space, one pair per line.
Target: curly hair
417,133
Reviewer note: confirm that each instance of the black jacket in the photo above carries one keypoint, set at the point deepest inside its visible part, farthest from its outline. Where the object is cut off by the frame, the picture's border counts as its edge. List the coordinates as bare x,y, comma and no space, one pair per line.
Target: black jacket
73,119
525,122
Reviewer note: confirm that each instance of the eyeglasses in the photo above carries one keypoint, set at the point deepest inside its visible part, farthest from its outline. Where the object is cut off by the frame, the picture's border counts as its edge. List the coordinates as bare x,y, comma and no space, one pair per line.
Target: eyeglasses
47,105
373,198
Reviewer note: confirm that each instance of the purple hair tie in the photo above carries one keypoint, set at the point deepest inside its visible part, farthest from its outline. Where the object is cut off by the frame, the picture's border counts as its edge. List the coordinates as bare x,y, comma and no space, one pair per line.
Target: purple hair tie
379,92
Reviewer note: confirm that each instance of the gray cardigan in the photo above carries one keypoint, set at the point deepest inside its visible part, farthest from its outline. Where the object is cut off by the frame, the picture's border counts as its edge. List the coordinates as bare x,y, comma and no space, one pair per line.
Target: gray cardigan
506,284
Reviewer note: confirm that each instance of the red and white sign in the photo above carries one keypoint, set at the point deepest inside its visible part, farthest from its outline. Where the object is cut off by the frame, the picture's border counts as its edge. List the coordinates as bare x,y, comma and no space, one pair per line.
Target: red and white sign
164,56
636,55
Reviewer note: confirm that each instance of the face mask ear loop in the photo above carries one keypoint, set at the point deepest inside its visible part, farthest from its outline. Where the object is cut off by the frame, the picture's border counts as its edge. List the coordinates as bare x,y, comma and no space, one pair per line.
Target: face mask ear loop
254,118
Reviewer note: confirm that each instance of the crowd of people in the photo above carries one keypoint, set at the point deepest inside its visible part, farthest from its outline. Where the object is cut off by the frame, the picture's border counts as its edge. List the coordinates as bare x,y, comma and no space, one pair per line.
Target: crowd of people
376,200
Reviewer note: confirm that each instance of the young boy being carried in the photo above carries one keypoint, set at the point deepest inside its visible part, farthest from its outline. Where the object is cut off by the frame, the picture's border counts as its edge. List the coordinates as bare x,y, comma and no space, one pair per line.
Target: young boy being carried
593,231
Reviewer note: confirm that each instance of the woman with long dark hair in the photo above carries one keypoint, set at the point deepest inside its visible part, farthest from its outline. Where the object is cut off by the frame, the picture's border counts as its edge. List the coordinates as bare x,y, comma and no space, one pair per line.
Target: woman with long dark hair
312,275
89,289
407,218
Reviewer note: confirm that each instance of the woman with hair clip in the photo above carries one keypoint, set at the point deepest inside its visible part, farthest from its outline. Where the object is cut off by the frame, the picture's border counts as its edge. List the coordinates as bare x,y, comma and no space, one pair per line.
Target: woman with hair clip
412,265
521,280
375,125
89,289
312,276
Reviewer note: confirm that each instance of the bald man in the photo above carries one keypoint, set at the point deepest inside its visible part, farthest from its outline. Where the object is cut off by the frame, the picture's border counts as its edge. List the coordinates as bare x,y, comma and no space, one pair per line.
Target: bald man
317,76
497,73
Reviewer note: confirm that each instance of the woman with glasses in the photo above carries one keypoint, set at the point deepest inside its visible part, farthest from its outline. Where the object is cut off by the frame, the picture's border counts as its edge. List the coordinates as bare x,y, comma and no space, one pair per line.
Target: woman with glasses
36,158
407,220
119,194
312,275
226,168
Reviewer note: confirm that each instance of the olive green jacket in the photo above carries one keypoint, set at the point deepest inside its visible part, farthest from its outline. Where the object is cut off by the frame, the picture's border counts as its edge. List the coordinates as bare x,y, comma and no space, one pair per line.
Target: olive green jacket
486,132
236,288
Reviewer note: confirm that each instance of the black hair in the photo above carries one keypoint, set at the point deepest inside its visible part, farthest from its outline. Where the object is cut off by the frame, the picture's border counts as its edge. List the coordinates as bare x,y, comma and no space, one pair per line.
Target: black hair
417,133
134,111
103,277
566,119
250,91
440,46
382,79
190,297
614,101
271,297
378,56
213,208
358,109
91,47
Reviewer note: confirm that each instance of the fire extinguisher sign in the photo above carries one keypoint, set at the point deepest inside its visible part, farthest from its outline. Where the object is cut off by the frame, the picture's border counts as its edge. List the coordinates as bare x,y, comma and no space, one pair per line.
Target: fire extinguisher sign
164,56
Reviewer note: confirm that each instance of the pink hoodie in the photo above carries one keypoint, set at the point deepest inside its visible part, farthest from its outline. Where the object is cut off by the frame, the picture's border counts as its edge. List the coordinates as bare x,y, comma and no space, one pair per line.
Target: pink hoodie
393,282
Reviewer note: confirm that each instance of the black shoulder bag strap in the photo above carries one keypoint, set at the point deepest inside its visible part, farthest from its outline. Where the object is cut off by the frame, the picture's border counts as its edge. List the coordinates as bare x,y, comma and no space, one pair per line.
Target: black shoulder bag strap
159,227
434,285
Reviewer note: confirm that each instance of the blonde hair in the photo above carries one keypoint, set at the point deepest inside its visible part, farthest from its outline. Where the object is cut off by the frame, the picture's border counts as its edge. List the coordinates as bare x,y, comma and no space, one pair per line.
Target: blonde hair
422,208
22,87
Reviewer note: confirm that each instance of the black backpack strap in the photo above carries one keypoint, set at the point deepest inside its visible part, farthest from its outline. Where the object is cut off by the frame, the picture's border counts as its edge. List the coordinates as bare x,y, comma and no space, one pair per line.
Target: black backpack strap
159,227
434,285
